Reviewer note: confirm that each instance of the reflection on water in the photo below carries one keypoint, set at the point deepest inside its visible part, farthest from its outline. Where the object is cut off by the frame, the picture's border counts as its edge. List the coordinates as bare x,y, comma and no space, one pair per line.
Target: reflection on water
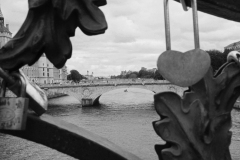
124,118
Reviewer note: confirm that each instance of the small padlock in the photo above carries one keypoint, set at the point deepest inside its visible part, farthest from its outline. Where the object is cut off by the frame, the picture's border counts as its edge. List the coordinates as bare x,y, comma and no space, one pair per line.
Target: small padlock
13,110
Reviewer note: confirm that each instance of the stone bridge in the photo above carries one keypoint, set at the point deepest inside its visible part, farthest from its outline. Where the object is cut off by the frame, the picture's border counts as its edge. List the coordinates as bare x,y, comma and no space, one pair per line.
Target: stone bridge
94,91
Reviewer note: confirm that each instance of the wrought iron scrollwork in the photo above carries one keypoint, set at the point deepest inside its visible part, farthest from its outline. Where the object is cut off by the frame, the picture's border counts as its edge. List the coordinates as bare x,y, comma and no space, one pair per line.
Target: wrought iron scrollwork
197,126
47,29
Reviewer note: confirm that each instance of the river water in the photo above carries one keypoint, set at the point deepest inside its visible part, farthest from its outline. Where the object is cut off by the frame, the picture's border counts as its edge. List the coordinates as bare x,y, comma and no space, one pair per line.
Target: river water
124,118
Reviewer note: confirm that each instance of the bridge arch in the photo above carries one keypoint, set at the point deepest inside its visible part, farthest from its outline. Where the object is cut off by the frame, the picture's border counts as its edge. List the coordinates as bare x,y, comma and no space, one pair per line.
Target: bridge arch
58,92
96,101
72,94
94,91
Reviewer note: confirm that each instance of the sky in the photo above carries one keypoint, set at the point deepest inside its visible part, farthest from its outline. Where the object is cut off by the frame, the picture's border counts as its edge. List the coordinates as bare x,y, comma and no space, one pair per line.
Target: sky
135,36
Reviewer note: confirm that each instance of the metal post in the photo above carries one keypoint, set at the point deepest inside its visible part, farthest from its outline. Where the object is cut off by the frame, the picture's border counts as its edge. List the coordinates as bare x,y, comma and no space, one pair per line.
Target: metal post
167,25
195,24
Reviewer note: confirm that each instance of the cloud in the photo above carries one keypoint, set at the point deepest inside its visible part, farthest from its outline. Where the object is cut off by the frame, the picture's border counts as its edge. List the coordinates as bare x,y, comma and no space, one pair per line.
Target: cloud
136,35
14,13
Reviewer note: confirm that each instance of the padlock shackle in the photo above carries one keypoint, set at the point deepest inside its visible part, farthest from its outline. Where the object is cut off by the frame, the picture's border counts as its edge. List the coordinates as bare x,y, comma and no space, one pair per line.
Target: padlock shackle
23,84
6,76
3,88
183,2
167,24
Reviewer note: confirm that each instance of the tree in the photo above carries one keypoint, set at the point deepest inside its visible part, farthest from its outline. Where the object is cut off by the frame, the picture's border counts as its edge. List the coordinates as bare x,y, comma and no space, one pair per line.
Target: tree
132,75
145,74
217,59
69,77
158,76
75,76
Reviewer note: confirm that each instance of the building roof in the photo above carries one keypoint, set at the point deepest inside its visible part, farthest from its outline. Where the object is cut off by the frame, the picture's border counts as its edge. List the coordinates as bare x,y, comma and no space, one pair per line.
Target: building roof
4,29
1,15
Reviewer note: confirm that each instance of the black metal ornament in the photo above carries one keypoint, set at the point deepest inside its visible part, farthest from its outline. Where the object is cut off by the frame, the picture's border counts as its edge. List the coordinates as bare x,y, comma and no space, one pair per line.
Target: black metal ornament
47,29
197,125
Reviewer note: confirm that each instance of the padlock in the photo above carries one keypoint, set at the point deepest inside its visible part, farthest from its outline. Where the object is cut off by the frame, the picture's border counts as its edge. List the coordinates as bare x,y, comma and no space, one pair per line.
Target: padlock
183,69
38,101
13,110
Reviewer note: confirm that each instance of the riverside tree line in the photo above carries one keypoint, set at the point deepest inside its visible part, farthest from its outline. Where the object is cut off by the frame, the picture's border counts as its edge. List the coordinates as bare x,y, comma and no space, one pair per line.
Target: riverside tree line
218,58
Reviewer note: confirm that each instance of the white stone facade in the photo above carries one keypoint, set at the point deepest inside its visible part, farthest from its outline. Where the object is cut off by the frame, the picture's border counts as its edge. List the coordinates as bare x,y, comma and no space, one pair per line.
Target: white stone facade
4,38
43,72
5,34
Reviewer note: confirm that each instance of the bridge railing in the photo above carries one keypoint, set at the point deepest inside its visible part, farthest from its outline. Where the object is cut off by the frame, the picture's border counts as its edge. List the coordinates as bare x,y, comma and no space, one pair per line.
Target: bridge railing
103,84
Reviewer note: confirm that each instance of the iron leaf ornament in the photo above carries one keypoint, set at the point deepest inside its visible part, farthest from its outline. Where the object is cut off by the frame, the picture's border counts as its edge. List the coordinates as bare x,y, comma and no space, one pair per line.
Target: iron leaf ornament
47,28
196,126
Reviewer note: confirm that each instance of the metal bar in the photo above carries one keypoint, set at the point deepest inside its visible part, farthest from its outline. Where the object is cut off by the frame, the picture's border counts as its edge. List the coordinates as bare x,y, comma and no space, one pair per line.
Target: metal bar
70,139
3,89
195,24
183,2
9,79
167,24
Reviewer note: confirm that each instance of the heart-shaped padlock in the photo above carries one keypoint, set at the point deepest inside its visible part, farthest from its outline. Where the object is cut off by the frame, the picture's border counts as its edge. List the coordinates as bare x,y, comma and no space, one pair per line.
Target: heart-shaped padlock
183,69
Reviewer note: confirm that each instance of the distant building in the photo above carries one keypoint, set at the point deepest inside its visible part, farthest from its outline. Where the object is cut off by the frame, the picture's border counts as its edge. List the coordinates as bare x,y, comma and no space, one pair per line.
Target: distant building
59,75
43,72
152,70
56,75
5,34
149,70
45,68
90,77
129,72
31,72
63,73
123,73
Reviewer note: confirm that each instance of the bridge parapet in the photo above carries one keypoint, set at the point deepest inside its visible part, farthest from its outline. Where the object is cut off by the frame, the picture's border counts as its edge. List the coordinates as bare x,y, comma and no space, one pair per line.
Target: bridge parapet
94,91
104,84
